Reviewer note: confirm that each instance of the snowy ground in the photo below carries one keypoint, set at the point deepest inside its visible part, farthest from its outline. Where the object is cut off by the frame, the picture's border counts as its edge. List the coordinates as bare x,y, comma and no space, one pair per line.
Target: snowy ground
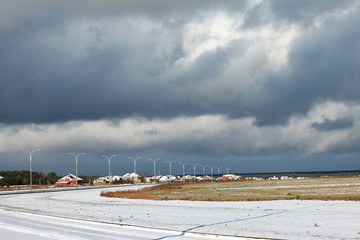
16,225
269,219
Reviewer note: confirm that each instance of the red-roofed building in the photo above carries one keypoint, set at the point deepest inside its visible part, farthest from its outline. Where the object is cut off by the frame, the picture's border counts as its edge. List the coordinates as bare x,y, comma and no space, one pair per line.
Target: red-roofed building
68,180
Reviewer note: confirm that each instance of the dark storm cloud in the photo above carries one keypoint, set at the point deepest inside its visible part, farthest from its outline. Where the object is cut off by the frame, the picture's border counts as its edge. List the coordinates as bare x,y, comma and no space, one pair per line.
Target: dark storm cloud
330,125
322,66
302,12
45,79
157,8
306,10
42,85
13,14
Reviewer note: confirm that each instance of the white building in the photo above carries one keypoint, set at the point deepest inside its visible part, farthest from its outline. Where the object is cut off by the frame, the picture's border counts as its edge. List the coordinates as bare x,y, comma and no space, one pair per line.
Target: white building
167,178
131,177
108,179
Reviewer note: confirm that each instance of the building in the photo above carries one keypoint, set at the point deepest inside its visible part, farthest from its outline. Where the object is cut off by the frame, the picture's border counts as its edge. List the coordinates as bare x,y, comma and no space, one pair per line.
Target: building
101,180
206,178
231,177
168,178
68,180
107,179
134,177
1,179
274,178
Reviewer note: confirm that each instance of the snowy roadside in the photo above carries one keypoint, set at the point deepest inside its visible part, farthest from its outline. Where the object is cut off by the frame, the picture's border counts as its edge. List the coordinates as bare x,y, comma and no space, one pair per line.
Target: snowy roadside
17,225
63,189
293,219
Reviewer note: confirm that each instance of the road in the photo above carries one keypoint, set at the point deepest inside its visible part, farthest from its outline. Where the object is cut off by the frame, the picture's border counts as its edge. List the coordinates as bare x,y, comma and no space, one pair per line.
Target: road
17,225
119,218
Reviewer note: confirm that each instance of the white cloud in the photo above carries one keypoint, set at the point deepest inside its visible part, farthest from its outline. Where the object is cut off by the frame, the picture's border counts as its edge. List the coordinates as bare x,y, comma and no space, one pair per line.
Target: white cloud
214,133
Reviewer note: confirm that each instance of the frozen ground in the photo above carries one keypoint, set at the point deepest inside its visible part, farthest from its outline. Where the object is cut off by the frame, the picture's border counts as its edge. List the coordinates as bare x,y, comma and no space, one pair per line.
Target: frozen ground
269,219
16,225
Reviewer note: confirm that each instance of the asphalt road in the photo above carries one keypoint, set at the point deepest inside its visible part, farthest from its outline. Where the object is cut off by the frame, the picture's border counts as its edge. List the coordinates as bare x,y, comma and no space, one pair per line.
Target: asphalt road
17,225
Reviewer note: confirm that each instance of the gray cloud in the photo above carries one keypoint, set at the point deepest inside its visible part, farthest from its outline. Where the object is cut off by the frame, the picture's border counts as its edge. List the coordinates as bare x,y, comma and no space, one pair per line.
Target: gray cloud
322,66
307,10
331,125
64,67
16,14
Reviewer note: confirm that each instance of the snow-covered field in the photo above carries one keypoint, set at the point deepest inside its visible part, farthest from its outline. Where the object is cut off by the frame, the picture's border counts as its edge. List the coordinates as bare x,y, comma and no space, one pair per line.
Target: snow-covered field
292,219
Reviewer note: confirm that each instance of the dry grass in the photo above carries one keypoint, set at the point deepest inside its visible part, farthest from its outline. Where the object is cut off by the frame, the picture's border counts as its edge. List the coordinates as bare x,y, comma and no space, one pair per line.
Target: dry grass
306,189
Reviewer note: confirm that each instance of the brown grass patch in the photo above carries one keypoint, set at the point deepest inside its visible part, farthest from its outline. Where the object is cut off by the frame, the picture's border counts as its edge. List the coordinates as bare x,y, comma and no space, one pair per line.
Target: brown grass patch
306,189
145,192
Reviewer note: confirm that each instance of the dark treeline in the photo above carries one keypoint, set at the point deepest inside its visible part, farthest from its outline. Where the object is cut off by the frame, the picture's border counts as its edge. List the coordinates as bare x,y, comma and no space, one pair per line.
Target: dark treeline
23,178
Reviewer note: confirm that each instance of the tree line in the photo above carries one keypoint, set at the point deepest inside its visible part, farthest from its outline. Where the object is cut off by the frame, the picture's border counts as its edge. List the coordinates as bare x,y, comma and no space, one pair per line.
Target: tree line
23,178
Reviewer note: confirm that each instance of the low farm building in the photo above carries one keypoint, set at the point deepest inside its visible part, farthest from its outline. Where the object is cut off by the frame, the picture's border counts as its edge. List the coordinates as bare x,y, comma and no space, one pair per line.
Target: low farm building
68,180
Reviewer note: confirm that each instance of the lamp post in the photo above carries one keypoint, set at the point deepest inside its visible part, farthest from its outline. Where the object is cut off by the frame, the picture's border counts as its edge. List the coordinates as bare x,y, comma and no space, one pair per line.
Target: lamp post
183,165
76,161
227,170
218,168
211,170
203,167
109,158
134,159
30,154
170,163
194,165
154,161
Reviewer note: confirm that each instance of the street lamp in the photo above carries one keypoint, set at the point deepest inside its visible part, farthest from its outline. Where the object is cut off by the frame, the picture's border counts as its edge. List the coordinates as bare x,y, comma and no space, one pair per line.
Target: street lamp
203,167
194,165
211,170
154,161
30,153
109,158
134,159
76,161
227,170
170,164
183,165
218,168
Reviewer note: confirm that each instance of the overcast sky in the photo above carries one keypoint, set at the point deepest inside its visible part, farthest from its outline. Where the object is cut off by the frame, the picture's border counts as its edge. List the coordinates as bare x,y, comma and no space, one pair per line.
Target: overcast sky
254,86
